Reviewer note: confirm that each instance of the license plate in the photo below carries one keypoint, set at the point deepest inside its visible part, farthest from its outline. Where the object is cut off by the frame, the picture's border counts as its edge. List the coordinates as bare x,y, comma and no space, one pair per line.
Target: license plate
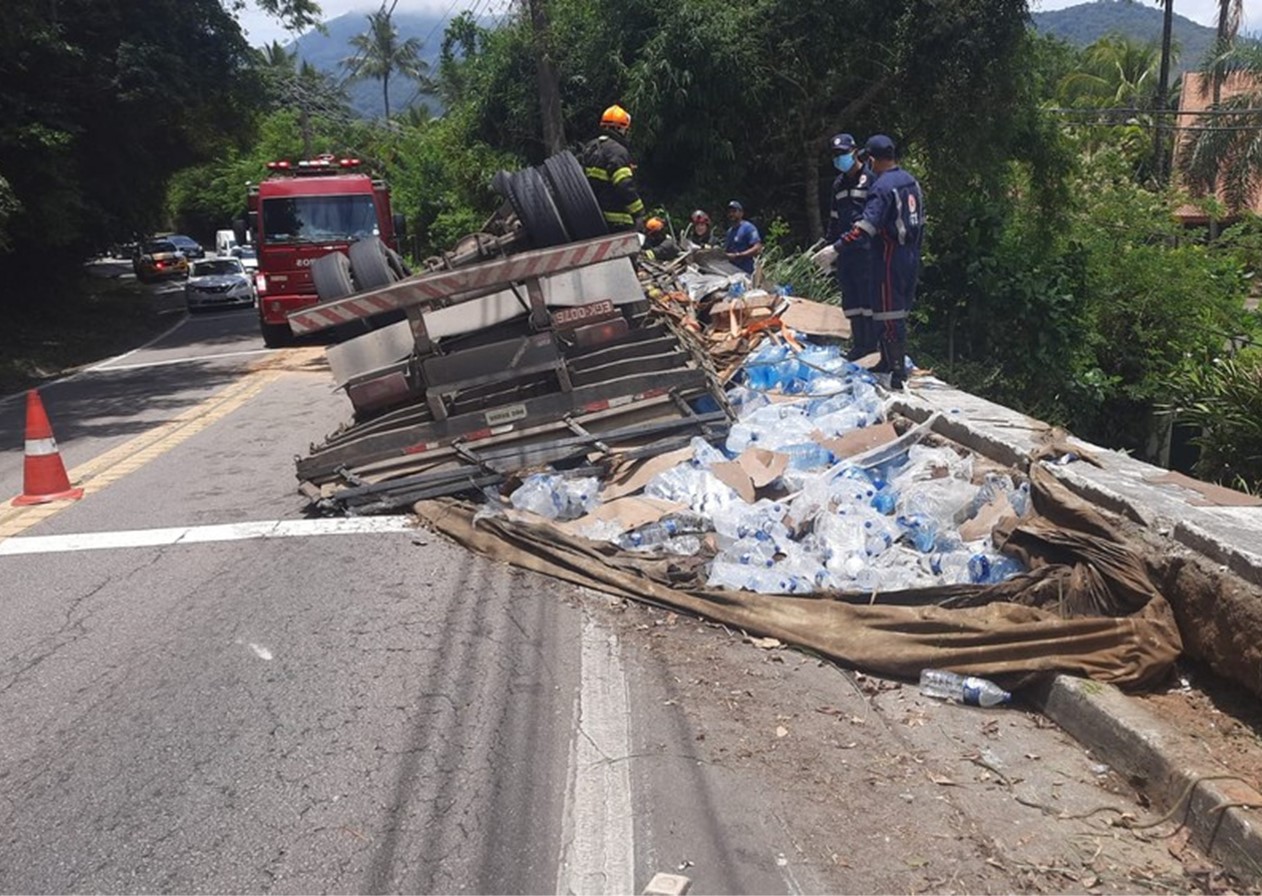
506,414
581,314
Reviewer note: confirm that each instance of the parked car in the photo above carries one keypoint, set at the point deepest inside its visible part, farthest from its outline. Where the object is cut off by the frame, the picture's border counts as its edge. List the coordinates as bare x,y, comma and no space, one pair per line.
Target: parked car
248,256
186,244
159,260
218,283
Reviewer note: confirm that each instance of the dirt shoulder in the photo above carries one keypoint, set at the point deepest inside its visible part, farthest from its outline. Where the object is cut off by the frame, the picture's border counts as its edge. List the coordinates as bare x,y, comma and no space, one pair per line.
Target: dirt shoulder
880,789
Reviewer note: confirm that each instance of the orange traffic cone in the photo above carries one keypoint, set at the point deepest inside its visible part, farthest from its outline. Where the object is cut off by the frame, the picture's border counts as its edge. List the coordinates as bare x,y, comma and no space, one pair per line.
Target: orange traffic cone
44,473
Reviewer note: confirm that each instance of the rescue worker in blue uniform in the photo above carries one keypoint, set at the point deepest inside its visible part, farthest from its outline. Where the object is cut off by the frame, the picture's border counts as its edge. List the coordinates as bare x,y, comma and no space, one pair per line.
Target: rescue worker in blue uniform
853,266
606,161
743,243
894,221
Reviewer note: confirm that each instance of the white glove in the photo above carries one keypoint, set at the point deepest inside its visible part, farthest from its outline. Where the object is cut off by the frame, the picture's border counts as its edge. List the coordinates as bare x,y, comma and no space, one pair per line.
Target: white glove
825,258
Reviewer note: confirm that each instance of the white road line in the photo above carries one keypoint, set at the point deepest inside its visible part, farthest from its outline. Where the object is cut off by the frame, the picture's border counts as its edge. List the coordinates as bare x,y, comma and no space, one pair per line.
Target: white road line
108,367
141,538
598,855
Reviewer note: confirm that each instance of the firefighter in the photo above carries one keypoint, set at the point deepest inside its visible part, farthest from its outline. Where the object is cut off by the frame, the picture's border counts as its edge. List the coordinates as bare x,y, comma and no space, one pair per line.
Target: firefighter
659,245
853,265
894,220
607,163
699,232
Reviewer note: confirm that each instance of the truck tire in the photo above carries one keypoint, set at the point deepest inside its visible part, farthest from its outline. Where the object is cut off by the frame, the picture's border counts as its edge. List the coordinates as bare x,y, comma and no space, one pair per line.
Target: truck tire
574,197
538,214
397,264
370,265
331,275
276,335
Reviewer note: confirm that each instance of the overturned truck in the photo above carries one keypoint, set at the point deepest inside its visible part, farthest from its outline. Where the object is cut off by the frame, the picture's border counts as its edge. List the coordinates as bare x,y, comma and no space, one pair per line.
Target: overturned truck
530,343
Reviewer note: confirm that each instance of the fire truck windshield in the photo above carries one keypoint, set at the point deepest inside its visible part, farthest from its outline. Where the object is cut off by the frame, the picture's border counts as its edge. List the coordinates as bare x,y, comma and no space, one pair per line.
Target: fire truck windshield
313,219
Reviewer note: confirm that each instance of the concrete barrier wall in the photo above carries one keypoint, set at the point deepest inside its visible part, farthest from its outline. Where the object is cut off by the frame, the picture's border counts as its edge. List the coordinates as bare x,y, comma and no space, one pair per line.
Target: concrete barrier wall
1206,554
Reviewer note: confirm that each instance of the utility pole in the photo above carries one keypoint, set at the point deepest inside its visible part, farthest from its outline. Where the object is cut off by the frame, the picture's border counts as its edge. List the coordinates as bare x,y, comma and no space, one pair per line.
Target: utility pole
1163,91
549,87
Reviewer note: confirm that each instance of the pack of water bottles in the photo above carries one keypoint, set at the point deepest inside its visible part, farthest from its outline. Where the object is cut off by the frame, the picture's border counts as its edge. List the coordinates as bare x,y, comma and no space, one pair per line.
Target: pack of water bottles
555,497
847,524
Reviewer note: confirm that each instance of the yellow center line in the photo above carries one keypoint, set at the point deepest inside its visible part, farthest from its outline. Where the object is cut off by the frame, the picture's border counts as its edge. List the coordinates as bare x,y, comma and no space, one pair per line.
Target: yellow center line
106,469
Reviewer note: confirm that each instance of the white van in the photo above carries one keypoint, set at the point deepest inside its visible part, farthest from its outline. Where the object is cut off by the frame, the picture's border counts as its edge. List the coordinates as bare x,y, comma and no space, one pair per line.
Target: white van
225,242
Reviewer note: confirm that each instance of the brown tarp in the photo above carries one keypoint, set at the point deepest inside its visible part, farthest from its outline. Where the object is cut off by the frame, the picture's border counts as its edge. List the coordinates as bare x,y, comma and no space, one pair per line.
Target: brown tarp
1086,607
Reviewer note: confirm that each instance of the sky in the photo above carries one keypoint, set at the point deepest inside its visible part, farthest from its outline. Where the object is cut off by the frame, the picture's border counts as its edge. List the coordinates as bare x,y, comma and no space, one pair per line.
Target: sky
261,29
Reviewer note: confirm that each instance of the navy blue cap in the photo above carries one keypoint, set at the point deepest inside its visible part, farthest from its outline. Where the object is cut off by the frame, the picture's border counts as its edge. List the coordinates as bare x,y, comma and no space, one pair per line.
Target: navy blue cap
736,205
841,144
880,147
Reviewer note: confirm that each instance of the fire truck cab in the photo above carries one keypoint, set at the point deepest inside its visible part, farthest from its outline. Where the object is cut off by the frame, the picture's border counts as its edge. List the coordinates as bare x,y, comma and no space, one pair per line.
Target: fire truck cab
303,211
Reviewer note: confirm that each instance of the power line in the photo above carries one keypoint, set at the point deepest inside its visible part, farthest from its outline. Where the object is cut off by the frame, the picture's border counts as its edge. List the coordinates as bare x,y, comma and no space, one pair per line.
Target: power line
1130,110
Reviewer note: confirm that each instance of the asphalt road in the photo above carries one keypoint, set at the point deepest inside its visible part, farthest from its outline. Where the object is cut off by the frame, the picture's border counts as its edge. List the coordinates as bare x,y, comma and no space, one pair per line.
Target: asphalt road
201,690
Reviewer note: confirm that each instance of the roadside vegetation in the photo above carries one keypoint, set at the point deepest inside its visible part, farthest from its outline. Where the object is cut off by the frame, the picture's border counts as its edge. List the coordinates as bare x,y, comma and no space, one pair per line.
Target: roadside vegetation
74,324
1056,281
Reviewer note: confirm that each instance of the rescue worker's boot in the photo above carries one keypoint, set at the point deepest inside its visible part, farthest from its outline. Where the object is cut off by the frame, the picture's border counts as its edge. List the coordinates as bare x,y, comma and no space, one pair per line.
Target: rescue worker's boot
885,364
894,353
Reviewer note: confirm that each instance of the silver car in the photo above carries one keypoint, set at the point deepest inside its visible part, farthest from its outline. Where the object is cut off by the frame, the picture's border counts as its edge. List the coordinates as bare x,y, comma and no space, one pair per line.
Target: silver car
218,283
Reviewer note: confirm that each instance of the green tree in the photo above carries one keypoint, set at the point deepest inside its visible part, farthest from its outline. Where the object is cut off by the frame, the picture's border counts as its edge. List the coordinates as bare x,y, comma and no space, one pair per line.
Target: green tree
379,54
101,103
1117,73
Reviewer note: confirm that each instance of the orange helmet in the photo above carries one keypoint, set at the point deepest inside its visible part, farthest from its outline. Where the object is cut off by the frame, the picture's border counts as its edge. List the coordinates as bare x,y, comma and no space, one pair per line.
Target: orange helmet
654,225
616,118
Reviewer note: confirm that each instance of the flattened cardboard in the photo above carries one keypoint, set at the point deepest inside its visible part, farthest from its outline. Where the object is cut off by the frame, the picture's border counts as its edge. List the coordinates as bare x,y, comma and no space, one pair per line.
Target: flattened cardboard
990,514
631,477
628,512
816,319
860,440
762,466
1210,495
731,474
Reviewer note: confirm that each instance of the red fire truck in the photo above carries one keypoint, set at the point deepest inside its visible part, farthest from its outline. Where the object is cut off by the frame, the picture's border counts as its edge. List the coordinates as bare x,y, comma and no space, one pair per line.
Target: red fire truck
303,211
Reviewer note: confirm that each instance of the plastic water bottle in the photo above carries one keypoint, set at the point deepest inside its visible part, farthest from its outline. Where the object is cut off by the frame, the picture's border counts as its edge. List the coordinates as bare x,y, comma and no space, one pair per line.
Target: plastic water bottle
656,534
962,688
1020,498
704,454
921,530
984,569
884,501
764,580
807,456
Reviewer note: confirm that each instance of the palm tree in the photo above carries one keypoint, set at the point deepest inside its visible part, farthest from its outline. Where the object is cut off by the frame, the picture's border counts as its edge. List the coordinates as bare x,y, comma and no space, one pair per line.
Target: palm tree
1230,14
1117,73
379,54
1225,150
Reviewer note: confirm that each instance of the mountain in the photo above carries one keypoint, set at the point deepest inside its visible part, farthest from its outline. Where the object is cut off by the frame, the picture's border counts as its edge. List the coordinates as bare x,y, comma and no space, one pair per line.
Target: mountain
1084,24
326,52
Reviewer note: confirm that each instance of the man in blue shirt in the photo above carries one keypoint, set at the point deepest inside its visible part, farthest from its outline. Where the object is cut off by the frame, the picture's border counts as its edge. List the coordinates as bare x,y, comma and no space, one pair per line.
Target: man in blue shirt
743,244
894,221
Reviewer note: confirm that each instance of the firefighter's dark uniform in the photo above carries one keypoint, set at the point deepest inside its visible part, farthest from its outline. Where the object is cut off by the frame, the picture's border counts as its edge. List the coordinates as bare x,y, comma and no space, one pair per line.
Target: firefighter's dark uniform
854,265
894,219
607,164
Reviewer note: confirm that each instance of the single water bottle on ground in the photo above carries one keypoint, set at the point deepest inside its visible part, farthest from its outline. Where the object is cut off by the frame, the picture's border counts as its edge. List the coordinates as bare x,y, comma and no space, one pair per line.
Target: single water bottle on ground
962,688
